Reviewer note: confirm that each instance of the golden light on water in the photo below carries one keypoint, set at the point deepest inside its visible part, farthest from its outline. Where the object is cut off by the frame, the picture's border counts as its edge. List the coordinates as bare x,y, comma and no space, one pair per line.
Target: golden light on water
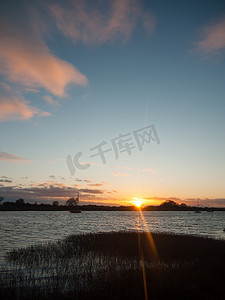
138,202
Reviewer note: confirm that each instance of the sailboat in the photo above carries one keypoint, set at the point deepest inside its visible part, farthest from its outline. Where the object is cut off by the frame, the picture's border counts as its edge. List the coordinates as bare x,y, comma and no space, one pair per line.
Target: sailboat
76,211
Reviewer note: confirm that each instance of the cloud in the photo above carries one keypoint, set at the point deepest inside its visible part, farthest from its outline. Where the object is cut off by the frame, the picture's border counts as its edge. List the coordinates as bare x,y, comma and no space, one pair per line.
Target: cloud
90,191
100,23
50,101
93,200
112,192
148,170
5,180
94,164
83,180
32,90
14,108
125,168
50,184
5,86
213,40
37,192
12,158
25,59
120,174
205,202
49,190
96,184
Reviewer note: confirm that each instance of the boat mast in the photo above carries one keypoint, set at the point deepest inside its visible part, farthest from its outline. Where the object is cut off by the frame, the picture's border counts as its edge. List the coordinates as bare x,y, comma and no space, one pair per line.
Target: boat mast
78,196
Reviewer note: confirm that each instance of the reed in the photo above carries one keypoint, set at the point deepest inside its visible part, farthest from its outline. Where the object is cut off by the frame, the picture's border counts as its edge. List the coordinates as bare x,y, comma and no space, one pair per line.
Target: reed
109,266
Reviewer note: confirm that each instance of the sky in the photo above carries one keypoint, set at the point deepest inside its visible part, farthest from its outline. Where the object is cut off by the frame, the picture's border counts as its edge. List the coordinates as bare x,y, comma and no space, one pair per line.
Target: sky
116,99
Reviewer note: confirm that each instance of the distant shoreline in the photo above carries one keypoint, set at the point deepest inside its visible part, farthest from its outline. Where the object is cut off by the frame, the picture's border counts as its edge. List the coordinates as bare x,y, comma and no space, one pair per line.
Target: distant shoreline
47,207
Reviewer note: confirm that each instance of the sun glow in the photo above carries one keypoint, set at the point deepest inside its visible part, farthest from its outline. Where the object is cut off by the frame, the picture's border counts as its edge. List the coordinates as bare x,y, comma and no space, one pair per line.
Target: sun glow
138,202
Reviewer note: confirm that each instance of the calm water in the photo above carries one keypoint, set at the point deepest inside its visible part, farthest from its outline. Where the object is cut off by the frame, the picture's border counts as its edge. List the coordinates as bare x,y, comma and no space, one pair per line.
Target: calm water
20,229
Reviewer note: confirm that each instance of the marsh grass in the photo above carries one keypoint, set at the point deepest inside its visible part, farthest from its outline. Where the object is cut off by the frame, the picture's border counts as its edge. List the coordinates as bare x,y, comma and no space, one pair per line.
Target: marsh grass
108,266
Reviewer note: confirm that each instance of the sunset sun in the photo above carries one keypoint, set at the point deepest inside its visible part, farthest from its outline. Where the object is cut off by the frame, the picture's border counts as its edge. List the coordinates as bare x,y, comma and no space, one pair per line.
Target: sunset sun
138,202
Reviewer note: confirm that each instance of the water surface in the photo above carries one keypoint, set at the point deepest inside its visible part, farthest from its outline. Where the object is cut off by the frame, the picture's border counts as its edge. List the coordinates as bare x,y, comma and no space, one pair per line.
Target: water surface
24,228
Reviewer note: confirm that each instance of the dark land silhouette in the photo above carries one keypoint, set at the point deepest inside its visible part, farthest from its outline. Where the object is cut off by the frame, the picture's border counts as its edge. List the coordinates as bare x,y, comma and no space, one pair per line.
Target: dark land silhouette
169,205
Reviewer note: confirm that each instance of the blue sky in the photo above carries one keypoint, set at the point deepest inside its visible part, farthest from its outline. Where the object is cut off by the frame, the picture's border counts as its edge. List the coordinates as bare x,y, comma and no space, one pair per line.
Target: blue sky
77,73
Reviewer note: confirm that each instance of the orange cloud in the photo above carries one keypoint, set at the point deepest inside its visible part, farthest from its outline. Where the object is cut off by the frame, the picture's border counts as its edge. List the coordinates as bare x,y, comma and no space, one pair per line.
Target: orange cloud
96,184
18,109
120,174
26,59
12,158
125,168
53,184
80,22
213,41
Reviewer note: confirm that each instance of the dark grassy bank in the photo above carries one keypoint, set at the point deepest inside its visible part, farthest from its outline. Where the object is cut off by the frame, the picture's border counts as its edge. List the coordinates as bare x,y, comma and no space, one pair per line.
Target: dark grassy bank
109,266
10,206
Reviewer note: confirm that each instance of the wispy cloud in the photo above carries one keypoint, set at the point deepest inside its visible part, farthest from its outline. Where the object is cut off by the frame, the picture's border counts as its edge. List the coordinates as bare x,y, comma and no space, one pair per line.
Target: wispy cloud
105,21
83,180
213,39
125,168
96,184
91,191
12,158
50,101
14,108
148,170
32,90
5,86
120,174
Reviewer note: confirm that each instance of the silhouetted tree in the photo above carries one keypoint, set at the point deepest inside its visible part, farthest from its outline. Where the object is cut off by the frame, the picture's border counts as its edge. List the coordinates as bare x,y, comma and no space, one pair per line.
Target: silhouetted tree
72,202
1,199
169,205
8,203
169,202
20,201
55,203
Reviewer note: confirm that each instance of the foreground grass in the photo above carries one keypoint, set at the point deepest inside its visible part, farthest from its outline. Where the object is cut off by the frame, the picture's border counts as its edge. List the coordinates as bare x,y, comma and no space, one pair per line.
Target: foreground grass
109,266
